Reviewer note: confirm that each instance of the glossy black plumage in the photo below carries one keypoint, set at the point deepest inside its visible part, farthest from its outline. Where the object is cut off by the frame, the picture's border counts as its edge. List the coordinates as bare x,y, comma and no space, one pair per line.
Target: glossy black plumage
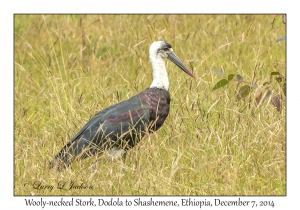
119,126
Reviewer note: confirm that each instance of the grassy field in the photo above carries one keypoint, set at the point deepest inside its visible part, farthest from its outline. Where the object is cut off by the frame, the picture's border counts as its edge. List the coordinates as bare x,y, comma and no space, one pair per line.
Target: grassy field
68,67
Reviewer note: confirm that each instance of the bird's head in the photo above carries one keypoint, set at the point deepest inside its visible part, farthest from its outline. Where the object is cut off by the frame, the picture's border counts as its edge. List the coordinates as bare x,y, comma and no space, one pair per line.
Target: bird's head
164,50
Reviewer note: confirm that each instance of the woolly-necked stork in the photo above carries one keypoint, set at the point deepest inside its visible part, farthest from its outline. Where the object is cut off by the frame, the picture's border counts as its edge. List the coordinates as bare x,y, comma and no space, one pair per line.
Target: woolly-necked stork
121,126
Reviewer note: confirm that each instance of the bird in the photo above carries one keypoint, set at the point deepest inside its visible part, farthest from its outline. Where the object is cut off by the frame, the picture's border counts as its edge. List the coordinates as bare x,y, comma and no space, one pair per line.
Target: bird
121,126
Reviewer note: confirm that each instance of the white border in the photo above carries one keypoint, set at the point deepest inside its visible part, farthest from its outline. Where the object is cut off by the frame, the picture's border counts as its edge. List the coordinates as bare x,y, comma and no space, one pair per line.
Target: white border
154,6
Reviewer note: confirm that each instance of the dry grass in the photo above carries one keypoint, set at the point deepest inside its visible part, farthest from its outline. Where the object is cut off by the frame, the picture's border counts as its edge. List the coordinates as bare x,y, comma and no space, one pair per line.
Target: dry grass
67,67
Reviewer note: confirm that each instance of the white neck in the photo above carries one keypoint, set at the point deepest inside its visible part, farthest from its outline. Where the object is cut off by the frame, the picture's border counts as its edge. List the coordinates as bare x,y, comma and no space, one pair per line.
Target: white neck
160,75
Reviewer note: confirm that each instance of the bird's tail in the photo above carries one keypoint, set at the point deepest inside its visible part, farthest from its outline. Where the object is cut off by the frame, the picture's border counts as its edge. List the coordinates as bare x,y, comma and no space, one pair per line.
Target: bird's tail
63,159
79,148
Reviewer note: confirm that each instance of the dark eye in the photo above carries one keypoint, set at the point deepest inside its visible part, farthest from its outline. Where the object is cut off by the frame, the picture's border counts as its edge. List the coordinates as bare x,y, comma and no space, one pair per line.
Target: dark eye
165,49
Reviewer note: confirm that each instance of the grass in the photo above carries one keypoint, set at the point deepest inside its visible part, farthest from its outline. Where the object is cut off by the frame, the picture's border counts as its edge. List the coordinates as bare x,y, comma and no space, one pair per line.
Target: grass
68,67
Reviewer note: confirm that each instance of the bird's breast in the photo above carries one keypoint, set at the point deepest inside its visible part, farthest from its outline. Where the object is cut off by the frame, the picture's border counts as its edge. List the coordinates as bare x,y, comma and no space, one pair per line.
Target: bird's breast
158,101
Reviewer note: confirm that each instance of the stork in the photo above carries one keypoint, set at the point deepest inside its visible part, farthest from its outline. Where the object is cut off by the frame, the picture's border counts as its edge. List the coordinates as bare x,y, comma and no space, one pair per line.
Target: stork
121,126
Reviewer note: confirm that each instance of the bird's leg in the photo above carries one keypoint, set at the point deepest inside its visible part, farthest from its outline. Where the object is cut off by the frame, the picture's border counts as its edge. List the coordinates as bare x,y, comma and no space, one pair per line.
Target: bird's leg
94,167
124,156
123,162
93,171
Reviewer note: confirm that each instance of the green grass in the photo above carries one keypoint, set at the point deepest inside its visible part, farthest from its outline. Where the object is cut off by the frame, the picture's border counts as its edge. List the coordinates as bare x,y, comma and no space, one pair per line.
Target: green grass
68,67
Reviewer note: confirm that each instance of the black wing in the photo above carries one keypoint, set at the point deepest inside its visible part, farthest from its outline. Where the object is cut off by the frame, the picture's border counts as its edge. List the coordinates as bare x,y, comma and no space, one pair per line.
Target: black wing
121,125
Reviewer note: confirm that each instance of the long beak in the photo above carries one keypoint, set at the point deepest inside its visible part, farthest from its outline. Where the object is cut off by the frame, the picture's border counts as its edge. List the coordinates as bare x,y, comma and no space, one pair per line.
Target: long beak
172,57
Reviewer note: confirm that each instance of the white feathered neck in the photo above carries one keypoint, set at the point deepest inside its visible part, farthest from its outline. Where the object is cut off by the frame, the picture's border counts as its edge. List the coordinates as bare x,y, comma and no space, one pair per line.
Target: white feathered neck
160,75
